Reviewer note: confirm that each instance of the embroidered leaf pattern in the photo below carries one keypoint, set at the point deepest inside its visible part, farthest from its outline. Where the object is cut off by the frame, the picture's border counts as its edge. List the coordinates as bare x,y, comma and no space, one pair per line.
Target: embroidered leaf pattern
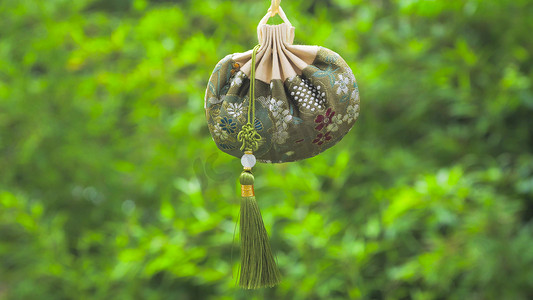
328,72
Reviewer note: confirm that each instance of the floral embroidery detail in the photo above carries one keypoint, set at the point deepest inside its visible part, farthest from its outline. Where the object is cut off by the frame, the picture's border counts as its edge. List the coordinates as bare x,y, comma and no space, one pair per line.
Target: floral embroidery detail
219,134
235,109
280,135
322,138
275,106
228,125
352,112
336,120
343,84
283,119
324,120
282,116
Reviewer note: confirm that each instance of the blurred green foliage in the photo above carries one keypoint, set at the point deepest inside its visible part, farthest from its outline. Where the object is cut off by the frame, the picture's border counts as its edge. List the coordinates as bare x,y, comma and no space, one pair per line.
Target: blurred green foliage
111,187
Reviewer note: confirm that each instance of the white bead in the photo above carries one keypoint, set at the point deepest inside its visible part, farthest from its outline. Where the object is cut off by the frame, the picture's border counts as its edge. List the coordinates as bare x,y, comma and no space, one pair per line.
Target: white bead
248,160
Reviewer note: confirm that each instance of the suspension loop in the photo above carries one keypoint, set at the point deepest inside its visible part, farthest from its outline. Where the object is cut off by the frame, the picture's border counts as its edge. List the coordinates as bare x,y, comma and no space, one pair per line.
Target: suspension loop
274,7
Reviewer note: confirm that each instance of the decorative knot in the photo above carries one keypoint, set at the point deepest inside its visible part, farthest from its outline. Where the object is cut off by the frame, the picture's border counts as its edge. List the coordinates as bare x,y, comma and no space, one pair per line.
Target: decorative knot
249,137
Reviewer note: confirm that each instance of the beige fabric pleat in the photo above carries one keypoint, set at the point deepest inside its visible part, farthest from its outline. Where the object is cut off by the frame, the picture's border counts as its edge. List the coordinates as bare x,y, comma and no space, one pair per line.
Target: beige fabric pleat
277,58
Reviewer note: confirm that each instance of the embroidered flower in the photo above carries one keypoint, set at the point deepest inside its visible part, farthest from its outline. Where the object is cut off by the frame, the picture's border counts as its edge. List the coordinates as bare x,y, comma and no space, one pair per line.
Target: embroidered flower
282,116
336,120
322,138
324,120
235,109
275,106
343,84
283,119
280,135
228,125
219,135
352,112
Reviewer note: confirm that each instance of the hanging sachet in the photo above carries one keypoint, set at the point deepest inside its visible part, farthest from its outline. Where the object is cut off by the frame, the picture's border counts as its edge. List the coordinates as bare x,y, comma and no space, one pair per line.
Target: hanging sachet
276,103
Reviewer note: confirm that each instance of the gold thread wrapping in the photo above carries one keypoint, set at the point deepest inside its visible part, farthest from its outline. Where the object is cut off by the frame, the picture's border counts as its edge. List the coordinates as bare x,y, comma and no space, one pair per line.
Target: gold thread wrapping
247,191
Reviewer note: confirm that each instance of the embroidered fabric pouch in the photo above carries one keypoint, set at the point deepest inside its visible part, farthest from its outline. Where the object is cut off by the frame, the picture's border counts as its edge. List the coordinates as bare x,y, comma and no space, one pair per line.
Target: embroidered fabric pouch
306,97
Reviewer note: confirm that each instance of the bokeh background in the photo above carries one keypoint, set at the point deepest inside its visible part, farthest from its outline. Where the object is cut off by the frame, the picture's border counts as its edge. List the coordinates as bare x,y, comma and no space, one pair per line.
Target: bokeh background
112,188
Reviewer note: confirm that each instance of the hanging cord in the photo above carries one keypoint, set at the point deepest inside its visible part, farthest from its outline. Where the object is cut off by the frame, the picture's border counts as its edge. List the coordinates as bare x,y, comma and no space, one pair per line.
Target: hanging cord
258,266
248,135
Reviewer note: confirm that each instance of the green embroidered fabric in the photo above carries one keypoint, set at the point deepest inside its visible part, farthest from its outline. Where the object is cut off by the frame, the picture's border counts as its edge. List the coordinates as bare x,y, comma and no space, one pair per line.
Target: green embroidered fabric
297,119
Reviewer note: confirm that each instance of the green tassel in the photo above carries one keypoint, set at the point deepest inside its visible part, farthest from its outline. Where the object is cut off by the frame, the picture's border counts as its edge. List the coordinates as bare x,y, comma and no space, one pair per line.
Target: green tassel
258,267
